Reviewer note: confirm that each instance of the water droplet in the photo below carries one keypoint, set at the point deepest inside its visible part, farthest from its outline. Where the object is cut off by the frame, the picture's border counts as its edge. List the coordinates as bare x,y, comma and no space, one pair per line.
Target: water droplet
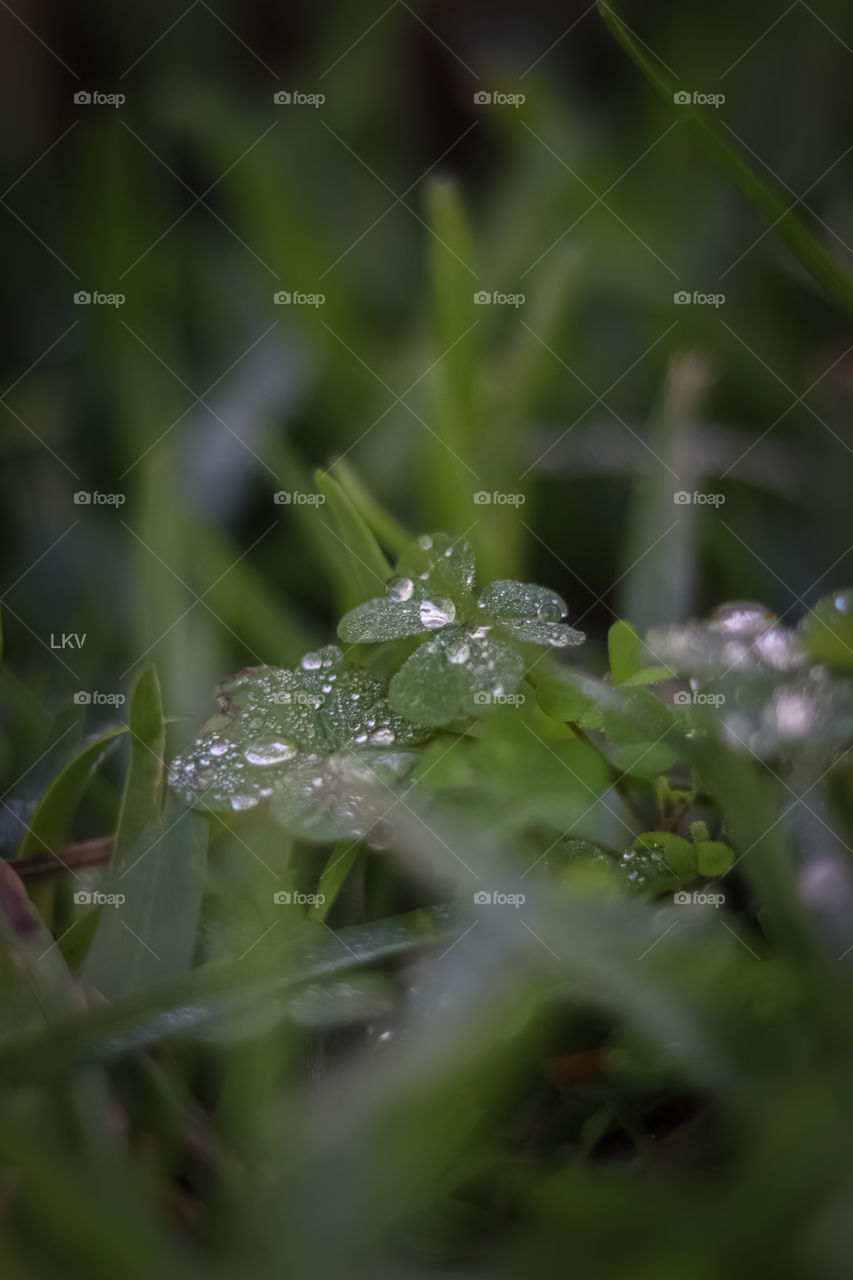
742,618
435,614
400,588
459,654
425,542
240,802
218,748
383,737
311,662
550,611
273,752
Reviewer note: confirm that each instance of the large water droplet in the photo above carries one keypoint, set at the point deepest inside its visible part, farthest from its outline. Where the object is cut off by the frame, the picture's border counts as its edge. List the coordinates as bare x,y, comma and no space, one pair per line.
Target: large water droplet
400,588
273,752
550,611
435,614
311,662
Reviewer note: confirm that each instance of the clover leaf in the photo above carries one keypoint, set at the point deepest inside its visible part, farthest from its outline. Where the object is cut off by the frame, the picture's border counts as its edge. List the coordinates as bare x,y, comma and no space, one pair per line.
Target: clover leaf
320,744
470,659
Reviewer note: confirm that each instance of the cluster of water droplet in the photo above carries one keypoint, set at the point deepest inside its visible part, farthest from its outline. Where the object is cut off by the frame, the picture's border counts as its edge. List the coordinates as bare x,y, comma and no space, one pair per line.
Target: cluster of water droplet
529,613
277,730
741,635
639,870
773,697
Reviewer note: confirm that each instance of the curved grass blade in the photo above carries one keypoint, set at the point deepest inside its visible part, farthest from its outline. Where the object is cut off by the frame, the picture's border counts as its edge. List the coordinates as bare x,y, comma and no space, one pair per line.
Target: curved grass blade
157,868
800,240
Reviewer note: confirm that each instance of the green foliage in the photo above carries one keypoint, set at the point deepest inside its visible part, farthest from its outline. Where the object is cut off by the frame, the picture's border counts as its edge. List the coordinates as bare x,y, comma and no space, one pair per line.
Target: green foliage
463,949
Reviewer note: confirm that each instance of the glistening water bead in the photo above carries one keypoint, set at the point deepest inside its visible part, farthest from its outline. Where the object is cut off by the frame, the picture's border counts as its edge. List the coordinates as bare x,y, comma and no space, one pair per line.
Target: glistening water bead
435,614
399,589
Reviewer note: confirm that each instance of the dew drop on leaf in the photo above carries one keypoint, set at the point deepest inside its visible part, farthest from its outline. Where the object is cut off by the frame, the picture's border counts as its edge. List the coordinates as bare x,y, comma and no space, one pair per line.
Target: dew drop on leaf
400,588
435,614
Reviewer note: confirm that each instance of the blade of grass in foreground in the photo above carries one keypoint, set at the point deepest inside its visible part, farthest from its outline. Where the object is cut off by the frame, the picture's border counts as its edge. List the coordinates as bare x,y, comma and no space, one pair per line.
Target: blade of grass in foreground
158,867
800,240
197,999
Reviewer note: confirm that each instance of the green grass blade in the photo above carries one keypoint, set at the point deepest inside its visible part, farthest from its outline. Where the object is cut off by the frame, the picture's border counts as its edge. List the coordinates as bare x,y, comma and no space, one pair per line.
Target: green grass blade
158,868
47,827
800,240
362,568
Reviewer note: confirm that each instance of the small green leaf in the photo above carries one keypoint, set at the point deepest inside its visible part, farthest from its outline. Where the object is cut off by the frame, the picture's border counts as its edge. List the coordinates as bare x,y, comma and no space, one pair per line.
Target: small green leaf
435,562
338,796
828,629
627,656
277,727
636,715
380,620
677,853
566,702
644,759
649,675
529,612
624,647
713,858
429,689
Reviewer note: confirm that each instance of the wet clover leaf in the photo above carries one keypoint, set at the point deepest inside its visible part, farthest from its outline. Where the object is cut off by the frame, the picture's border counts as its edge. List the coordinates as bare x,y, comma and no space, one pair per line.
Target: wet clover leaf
472,657
320,743
529,613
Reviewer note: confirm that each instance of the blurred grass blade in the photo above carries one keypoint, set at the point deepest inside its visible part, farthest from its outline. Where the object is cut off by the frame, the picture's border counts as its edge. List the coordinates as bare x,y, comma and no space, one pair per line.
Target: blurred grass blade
335,872
802,242
197,999
389,532
450,479
362,568
660,550
47,827
158,867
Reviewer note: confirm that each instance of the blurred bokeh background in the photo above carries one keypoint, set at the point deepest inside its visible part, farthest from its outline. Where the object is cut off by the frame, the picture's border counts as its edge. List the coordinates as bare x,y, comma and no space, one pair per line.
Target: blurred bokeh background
398,197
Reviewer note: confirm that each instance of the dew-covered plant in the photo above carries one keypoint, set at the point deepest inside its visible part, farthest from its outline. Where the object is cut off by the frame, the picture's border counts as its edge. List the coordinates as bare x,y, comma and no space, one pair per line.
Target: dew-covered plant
608,781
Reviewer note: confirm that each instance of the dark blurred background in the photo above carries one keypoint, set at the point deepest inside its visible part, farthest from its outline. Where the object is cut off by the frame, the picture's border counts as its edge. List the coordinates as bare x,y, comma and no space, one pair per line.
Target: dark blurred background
196,400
